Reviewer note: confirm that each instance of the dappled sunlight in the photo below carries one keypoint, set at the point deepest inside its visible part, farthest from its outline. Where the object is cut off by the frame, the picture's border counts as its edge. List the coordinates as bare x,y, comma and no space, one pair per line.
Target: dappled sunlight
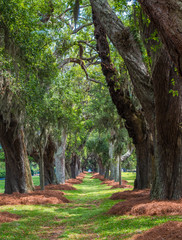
85,217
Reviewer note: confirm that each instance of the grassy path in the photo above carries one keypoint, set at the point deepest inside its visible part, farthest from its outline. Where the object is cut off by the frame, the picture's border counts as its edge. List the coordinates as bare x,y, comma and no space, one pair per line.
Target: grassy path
84,218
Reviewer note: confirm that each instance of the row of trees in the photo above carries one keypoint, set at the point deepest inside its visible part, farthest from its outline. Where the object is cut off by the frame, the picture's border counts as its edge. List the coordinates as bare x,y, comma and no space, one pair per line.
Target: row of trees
62,63
46,112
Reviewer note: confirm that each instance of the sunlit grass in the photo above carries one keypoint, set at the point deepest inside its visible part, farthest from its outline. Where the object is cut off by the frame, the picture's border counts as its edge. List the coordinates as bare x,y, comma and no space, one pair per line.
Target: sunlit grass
36,182
84,218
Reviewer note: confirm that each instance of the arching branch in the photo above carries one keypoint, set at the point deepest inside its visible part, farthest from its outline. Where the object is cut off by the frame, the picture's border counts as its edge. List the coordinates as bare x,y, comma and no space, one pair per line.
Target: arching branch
81,63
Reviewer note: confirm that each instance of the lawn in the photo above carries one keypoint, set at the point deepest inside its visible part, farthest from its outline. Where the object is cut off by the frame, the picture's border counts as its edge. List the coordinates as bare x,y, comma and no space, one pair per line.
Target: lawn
84,218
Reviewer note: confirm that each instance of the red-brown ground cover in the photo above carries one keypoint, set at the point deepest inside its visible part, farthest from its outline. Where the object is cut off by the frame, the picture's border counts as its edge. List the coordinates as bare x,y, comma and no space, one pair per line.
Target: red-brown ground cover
48,196
167,231
111,182
77,180
8,217
32,198
98,176
65,186
116,184
139,203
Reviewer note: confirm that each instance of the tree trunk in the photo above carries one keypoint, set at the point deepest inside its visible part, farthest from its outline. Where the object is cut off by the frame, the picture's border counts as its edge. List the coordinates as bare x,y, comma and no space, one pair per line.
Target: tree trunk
134,120
167,111
73,165
168,136
111,155
67,169
127,47
116,177
18,174
60,159
143,165
166,16
101,166
120,179
107,172
49,161
41,169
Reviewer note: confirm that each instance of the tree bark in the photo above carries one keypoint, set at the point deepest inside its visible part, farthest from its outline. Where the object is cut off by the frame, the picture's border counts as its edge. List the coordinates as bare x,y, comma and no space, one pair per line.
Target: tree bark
125,43
49,162
73,165
107,172
134,120
166,16
116,177
41,169
165,119
143,165
101,166
60,159
111,155
168,136
18,174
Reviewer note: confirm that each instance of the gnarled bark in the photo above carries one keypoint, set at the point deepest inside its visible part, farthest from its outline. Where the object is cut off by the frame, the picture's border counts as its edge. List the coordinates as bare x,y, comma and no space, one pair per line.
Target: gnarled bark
126,45
168,136
18,174
166,16
49,162
135,122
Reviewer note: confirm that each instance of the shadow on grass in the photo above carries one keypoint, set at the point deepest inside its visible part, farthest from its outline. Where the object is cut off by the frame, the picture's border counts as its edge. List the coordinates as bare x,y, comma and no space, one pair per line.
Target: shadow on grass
84,218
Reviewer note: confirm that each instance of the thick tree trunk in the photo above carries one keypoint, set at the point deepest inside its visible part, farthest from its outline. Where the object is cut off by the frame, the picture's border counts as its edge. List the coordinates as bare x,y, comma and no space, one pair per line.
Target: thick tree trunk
127,47
41,169
101,166
60,159
73,165
135,122
120,179
166,16
111,155
143,165
167,111
49,161
107,172
116,177
18,174
168,136
67,169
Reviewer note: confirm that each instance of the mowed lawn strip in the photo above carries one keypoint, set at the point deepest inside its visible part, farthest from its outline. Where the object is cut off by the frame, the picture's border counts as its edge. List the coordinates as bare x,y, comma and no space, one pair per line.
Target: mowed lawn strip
84,218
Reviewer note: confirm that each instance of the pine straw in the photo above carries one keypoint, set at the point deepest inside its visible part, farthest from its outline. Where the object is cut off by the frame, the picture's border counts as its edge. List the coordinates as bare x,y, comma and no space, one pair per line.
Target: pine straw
111,182
33,198
139,203
98,176
77,180
65,186
8,217
168,231
116,184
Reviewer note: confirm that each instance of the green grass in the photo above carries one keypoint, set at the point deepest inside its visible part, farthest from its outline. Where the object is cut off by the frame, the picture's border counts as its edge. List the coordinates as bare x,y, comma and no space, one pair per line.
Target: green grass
84,218
36,182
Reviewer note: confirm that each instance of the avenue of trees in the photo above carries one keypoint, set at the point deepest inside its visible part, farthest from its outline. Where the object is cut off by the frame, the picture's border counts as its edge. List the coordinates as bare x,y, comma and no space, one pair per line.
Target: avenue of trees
91,85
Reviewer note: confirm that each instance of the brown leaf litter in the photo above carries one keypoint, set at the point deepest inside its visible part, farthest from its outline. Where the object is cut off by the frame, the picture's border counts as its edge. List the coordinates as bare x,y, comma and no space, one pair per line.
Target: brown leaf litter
111,182
171,230
8,217
139,203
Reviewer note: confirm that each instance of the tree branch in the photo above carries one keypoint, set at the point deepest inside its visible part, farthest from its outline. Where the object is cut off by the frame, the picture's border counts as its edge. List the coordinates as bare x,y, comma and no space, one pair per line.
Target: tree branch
81,63
81,27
